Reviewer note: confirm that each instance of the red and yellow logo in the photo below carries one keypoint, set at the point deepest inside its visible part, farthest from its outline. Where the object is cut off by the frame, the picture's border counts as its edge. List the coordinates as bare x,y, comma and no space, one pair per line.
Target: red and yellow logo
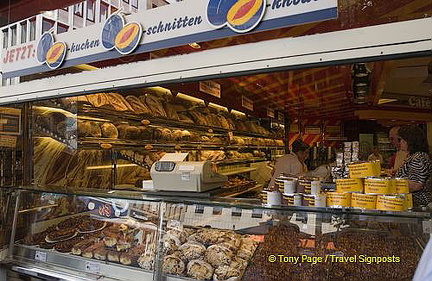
127,36
242,11
55,53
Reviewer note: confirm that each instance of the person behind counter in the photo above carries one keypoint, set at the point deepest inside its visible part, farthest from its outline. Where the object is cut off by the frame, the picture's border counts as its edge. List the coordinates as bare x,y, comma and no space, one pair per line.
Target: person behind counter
399,156
375,155
292,163
417,167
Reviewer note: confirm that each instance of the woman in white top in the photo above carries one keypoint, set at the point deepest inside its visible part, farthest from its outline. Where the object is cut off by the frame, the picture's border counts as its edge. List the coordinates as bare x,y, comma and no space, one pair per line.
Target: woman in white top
292,163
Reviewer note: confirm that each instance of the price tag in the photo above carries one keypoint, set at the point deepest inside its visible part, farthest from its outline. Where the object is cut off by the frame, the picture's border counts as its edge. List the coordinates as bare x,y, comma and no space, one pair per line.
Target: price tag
40,256
92,267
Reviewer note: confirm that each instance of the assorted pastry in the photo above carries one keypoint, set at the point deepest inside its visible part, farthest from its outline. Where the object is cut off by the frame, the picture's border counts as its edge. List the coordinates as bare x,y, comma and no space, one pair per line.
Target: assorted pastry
206,253
99,240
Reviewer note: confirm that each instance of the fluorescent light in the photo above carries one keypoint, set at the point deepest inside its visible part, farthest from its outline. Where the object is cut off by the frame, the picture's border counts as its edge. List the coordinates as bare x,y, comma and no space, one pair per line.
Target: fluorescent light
382,101
195,45
238,112
109,166
86,67
217,106
189,98
46,109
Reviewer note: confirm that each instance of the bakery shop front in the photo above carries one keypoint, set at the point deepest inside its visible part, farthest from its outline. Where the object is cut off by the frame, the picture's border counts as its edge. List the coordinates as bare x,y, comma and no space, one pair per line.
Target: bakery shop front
139,144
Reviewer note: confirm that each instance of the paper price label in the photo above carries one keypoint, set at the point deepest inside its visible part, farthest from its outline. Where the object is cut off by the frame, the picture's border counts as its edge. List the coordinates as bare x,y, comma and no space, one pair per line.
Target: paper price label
40,256
185,176
92,267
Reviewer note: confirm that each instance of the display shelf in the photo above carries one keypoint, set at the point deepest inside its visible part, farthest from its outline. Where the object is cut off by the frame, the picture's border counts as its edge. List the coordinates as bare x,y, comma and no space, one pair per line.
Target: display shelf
237,171
81,264
129,117
256,187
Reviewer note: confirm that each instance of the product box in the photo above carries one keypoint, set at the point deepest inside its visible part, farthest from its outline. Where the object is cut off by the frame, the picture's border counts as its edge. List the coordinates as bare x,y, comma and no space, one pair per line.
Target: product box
401,185
338,199
379,186
349,185
391,203
363,201
364,170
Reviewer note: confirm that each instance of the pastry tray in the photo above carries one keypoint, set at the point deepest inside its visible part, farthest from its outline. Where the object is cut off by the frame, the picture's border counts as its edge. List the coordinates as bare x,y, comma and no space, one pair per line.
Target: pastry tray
54,260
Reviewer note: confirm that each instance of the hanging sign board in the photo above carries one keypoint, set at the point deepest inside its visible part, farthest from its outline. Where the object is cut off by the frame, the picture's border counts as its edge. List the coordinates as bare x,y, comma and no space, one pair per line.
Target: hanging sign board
247,103
8,141
211,88
165,27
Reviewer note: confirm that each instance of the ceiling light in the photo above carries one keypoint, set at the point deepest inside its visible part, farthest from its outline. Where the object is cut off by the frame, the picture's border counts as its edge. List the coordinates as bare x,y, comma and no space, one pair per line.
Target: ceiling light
217,106
382,101
238,112
195,45
189,98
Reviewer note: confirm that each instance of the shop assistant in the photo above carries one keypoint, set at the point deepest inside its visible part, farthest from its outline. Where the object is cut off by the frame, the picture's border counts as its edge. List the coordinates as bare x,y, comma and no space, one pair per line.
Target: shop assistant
417,167
292,163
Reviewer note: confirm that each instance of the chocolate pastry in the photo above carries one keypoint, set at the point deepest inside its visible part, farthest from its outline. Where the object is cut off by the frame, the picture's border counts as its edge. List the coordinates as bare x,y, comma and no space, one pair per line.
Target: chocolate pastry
89,225
79,247
100,253
89,251
61,235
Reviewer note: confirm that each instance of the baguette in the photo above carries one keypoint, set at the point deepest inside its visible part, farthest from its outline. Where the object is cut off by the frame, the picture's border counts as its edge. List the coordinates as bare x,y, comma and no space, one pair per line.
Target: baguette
138,105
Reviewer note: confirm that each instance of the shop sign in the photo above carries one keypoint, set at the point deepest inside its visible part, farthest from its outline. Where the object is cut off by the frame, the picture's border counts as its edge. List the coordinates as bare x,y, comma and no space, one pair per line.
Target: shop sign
247,103
211,88
168,26
270,113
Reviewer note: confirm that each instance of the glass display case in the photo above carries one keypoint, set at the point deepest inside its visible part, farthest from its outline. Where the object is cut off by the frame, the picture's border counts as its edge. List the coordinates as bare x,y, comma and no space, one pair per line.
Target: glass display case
120,235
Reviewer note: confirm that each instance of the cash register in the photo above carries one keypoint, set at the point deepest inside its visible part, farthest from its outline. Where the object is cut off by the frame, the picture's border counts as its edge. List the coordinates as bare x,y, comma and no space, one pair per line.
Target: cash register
173,174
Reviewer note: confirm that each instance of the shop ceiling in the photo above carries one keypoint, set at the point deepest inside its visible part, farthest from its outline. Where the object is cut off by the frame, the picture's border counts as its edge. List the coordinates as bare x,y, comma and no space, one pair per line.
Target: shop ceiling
327,92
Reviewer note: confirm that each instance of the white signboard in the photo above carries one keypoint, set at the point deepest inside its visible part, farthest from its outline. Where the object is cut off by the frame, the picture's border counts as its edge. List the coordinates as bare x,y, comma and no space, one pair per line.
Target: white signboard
211,88
164,27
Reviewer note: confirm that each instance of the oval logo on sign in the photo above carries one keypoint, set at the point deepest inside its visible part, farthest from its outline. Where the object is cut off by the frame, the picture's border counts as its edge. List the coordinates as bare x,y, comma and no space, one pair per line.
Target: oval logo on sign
111,28
128,38
44,44
245,14
56,55
240,15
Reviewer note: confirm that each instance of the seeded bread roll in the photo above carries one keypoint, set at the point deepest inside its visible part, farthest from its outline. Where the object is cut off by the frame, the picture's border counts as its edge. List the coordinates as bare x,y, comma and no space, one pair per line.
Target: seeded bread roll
139,107
109,131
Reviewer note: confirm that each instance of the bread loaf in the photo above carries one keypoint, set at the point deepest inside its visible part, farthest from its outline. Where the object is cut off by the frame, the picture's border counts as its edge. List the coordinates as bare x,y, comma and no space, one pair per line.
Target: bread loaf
98,100
109,131
84,128
155,105
184,118
118,102
139,107
95,130
171,112
128,132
